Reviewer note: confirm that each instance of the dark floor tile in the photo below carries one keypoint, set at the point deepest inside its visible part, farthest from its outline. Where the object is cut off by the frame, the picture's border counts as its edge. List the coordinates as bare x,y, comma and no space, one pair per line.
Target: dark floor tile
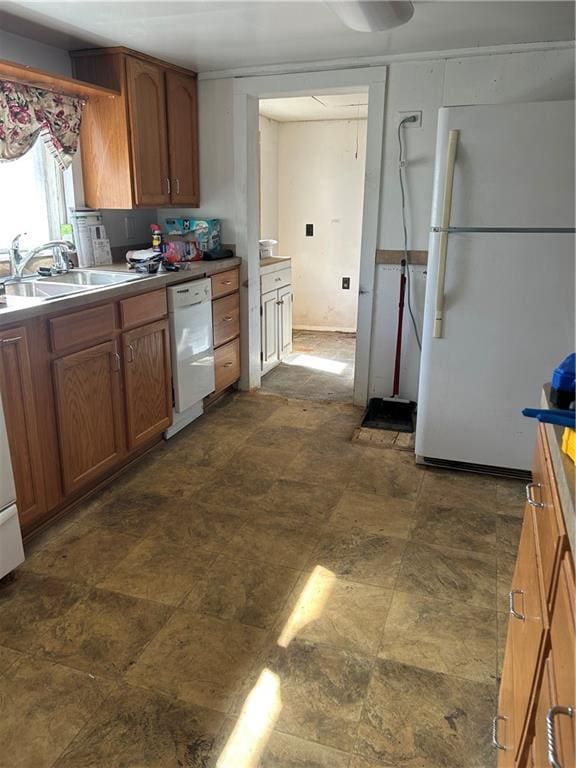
301,501
359,555
284,751
465,490
247,591
445,526
280,437
274,540
160,569
7,657
383,515
128,509
45,706
103,633
331,611
200,659
388,473
508,535
441,636
82,554
334,471
451,575
414,717
31,605
141,729
234,492
322,691
510,497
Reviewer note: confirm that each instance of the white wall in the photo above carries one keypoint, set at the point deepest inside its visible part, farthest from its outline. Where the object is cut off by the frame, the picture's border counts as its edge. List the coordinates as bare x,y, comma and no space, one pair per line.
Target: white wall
321,182
427,86
269,188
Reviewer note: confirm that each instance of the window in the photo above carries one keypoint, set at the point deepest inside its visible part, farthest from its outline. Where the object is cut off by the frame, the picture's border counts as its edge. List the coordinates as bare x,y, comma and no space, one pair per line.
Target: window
31,199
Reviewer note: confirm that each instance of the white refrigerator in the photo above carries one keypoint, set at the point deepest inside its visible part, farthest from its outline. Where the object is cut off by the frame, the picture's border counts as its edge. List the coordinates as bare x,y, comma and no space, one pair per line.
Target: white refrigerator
499,308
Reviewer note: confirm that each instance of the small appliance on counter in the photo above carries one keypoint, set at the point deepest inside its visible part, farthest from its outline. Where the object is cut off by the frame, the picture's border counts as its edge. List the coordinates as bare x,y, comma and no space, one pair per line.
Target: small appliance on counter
11,549
266,248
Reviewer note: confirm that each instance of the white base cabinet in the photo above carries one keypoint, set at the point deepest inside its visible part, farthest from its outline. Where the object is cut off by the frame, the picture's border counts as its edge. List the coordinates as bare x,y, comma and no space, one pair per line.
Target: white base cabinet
275,315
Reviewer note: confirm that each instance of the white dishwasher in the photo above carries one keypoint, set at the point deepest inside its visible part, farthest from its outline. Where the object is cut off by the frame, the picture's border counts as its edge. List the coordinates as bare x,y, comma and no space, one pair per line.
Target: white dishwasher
190,312
11,549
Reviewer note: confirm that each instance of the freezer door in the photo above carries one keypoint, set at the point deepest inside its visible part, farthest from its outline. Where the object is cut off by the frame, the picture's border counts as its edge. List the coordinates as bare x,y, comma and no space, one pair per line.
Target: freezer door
509,320
514,165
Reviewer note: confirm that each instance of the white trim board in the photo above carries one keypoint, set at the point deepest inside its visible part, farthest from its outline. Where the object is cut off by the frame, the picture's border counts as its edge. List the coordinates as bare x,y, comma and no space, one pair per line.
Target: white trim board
247,92
323,329
380,61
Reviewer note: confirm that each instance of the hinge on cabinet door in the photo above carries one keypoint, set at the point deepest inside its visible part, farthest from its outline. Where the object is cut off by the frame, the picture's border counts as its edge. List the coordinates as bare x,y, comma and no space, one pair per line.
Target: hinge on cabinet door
261,357
261,311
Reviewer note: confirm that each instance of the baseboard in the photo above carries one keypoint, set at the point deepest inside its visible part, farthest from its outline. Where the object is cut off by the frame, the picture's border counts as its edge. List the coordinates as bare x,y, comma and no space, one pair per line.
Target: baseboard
326,328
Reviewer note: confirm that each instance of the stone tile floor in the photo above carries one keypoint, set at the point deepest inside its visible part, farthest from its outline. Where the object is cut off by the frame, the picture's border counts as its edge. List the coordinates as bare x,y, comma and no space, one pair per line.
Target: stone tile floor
260,592
321,367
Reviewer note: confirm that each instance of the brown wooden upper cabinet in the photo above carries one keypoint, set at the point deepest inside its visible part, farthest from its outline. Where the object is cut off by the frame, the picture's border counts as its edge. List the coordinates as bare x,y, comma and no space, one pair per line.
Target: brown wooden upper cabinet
141,149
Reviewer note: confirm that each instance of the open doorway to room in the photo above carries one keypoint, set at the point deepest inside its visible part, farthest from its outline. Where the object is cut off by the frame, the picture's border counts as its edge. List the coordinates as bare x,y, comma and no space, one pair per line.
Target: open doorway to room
312,167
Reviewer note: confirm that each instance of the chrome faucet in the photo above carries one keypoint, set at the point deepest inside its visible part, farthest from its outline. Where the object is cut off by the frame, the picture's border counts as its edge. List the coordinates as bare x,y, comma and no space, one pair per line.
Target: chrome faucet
61,250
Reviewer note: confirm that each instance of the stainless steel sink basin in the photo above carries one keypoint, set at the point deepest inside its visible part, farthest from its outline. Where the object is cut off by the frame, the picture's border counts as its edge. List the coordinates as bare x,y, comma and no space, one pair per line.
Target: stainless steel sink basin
92,277
40,289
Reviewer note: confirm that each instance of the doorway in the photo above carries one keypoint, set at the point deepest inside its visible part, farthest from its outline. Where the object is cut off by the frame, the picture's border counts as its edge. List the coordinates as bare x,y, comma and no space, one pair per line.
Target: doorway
312,164
248,91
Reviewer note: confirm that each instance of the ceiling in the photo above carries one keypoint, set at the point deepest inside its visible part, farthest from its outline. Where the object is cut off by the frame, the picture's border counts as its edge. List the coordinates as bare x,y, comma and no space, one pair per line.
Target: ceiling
342,106
220,34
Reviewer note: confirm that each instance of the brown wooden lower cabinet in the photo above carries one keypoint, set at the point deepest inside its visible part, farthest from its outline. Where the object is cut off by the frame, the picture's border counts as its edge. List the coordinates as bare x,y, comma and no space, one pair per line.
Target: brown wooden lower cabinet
147,381
535,724
227,365
17,386
89,413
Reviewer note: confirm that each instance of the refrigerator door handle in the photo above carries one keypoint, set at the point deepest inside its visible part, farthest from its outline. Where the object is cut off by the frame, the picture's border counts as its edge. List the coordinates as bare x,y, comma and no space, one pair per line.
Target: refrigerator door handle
453,137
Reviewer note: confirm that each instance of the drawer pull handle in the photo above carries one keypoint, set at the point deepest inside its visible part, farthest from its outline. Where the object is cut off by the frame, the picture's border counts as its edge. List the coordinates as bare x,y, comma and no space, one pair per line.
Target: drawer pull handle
116,358
495,741
225,282
131,355
168,186
277,279
12,340
550,737
229,364
530,497
513,611
227,319
177,186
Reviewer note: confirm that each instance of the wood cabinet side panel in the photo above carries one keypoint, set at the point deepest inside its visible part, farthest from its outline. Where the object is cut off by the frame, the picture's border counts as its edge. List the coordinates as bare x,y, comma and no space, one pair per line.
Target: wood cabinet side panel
106,163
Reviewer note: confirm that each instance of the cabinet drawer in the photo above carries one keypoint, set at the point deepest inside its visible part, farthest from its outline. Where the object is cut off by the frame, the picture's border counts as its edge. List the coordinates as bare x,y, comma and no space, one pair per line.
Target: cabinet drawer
273,280
226,319
144,308
547,511
225,283
227,365
82,329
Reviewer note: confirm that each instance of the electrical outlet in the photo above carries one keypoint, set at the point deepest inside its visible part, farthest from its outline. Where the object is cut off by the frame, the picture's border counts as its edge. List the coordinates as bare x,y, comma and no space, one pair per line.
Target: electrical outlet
345,283
130,227
417,113
309,230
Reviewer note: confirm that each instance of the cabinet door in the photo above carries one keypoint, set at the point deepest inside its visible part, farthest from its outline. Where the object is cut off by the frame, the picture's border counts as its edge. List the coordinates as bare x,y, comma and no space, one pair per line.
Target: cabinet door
148,135
182,108
285,321
504,723
148,383
17,389
528,622
269,329
89,413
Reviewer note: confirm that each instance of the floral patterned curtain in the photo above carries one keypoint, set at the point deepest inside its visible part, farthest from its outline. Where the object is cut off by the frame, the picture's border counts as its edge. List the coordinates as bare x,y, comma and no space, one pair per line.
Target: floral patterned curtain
27,112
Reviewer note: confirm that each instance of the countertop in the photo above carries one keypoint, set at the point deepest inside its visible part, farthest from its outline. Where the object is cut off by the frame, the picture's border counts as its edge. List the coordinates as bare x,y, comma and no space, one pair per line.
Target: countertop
17,313
274,260
565,472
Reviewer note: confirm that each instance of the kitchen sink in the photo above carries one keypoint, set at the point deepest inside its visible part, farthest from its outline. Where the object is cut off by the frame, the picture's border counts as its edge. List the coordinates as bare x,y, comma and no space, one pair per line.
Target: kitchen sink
91,277
40,289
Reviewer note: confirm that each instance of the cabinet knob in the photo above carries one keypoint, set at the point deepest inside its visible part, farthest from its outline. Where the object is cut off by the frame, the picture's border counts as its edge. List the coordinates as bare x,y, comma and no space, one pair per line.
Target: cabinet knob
530,495
550,736
495,741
